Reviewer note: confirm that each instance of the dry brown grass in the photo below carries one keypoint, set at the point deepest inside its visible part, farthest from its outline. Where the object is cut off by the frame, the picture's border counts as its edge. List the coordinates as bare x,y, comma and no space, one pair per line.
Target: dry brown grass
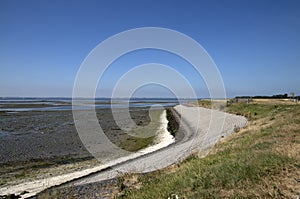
265,154
275,101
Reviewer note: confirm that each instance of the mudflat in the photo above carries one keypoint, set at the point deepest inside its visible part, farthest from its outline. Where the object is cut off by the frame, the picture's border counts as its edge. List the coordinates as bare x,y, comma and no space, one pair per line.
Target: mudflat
33,135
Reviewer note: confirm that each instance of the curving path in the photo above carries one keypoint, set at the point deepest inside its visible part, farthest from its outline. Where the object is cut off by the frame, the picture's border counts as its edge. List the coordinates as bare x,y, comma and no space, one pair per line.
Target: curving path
202,129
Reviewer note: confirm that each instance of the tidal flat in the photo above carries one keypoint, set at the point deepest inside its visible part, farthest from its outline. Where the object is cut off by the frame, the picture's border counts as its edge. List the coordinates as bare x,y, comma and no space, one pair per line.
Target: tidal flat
36,144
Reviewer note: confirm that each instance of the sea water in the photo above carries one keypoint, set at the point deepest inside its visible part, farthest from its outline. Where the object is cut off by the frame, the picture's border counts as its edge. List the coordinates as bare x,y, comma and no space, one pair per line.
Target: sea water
13,104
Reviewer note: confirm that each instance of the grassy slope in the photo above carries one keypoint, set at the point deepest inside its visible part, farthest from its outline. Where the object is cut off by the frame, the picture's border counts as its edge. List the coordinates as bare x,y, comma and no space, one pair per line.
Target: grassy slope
261,161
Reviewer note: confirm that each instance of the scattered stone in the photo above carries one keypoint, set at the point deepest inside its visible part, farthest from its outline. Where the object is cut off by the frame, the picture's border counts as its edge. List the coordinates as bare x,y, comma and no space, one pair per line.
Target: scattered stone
236,129
173,196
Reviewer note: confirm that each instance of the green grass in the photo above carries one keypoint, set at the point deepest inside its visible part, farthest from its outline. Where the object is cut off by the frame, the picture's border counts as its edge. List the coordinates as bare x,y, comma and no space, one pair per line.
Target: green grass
142,136
256,111
261,161
134,143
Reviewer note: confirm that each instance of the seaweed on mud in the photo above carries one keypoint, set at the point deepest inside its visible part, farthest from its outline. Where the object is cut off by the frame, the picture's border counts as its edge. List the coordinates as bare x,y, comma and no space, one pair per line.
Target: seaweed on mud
173,124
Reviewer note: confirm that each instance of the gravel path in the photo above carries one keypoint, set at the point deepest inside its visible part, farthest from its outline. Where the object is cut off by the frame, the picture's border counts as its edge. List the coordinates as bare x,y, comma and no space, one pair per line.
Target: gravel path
202,129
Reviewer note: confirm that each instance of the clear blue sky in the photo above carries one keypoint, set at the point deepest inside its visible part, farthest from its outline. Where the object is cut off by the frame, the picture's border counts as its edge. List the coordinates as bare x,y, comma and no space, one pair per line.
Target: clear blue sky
254,43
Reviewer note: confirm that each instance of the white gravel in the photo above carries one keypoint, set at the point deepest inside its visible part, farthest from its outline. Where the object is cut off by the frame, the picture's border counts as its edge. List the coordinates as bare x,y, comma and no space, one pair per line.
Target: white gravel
163,138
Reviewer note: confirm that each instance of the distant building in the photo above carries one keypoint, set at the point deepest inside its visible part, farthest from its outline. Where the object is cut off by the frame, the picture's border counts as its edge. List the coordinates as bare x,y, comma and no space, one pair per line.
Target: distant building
292,96
243,99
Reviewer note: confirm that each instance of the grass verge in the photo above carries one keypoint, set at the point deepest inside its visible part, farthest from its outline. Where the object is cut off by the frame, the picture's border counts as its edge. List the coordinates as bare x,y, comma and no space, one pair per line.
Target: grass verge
260,161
